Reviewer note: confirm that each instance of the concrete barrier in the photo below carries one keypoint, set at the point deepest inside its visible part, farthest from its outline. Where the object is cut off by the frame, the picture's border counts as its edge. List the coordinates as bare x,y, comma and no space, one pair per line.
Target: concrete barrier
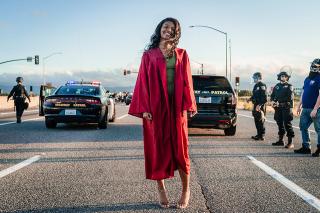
9,106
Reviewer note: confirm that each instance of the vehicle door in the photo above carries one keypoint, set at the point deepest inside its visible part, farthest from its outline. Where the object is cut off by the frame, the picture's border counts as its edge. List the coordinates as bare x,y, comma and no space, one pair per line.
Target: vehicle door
45,91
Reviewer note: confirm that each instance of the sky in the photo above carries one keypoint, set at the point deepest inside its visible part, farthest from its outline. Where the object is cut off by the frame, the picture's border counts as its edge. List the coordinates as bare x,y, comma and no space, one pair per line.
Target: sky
97,39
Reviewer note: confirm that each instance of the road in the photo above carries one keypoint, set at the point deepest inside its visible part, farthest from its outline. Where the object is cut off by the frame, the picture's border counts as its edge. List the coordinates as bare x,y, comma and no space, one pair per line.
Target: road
79,168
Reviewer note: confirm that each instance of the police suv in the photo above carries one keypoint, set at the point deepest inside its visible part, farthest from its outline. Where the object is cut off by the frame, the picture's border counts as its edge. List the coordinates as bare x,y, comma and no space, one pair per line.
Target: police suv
80,102
216,104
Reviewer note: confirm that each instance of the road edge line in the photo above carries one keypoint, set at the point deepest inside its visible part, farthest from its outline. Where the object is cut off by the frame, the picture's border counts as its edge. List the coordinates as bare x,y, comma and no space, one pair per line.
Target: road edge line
306,196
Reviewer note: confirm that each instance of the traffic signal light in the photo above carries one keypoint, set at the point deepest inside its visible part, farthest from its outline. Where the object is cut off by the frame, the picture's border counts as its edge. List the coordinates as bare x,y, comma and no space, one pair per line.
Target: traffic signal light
36,59
237,81
124,72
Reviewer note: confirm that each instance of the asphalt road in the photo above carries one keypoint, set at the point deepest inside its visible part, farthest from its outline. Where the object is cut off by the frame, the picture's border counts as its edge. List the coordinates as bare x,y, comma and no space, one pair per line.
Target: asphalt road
79,168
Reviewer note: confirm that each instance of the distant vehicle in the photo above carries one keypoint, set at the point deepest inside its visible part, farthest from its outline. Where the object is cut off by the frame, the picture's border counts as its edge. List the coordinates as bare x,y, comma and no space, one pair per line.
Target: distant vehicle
216,103
75,101
128,99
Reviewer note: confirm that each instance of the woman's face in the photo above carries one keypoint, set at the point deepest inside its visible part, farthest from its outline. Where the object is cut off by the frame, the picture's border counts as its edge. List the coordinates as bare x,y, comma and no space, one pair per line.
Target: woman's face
167,30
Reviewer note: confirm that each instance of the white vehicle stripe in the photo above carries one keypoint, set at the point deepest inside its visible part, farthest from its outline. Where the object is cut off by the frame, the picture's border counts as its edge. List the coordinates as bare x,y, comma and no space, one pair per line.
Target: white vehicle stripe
306,196
19,166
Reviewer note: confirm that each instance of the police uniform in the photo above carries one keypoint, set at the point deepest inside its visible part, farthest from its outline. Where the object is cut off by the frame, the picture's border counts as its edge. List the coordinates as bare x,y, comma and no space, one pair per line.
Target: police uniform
259,97
19,94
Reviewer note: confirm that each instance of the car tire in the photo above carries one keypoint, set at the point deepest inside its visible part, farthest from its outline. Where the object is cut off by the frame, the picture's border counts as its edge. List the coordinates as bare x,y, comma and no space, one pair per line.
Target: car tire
103,124
50,124
114,114
230,131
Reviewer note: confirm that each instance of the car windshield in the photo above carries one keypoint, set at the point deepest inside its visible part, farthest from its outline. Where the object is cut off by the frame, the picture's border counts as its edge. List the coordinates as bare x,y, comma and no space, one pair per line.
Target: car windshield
211,83
78,90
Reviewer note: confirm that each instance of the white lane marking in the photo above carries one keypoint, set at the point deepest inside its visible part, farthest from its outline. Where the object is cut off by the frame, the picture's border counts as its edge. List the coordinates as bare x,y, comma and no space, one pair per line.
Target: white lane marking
306,196
13,122
7,113
19,166
123,116
296,127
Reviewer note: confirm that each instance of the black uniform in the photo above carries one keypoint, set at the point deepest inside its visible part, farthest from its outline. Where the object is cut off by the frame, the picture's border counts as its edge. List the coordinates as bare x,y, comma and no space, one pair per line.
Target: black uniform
283,94
19,94
259,97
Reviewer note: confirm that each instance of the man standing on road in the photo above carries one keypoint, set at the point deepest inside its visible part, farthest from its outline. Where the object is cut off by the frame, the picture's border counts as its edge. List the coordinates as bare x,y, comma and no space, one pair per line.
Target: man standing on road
310,103
282,102
19,94
259,100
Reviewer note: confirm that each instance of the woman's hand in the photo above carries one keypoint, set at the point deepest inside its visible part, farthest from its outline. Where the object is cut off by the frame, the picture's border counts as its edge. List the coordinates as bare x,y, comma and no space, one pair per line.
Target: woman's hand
147,115
193,113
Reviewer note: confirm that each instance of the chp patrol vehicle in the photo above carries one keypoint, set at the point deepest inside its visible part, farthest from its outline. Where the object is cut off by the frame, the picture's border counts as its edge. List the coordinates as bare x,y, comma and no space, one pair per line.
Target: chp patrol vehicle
76,102
216,104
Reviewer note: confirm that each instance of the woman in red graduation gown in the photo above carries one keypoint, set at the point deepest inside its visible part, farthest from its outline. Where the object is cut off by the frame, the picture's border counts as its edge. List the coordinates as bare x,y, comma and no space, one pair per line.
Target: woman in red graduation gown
162,96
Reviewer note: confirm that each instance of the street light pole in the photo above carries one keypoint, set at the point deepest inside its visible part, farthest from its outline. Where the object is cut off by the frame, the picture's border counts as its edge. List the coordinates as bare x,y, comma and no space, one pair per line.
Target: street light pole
226,35
43,64
230,61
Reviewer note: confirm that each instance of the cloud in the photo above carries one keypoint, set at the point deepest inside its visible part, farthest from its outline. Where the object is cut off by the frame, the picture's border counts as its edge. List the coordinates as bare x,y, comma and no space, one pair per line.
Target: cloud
110,79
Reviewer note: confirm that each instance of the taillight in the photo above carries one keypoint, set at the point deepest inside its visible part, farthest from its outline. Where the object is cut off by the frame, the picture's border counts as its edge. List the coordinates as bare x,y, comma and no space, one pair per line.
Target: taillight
50,101
92,101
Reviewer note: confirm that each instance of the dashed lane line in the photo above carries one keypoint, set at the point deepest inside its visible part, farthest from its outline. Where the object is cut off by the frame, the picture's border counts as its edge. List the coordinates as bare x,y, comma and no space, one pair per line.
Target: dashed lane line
18,166
296,127
13,122
306,196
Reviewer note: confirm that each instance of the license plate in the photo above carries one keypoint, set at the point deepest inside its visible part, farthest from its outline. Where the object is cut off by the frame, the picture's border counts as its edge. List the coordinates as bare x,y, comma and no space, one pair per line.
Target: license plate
70,112
205,100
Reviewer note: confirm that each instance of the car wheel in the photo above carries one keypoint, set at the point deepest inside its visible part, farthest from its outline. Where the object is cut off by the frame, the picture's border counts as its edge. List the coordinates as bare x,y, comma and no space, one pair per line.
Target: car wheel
230,131
50,124
114,114
104,122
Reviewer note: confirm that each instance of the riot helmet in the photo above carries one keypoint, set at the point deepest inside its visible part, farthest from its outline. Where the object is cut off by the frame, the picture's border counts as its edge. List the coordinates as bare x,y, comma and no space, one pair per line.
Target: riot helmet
19,79
315,65
286,71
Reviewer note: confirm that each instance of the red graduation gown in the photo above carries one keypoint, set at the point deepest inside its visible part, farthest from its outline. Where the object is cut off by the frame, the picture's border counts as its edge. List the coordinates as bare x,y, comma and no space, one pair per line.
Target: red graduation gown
166,136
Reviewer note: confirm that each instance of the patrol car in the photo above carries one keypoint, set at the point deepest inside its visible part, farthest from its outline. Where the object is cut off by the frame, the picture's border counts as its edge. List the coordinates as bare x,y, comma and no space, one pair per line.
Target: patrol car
216,103
80,102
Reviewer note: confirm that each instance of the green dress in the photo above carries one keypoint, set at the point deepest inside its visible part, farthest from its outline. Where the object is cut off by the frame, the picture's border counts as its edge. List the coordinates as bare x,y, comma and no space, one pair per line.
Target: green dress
171,65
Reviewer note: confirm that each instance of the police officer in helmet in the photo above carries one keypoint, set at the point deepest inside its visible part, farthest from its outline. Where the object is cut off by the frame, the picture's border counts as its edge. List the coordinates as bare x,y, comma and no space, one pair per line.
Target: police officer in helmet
282,101
259,100
19,94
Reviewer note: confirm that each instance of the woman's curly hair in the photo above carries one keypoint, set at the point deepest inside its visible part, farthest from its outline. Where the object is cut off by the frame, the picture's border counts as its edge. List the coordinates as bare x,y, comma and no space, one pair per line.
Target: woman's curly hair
155,38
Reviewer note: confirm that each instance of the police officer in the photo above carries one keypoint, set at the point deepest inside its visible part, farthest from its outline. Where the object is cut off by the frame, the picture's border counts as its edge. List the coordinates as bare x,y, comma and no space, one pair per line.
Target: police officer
282,101
19,94
259,100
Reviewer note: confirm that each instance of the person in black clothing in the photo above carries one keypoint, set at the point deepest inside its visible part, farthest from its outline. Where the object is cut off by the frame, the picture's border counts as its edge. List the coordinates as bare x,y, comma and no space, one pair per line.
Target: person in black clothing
19,94
259,100
282,101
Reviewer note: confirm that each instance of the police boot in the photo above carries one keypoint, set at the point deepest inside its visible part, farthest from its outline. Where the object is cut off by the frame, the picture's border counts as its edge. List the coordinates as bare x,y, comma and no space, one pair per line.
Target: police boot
279,142
290,144
19,119
317,152
258,138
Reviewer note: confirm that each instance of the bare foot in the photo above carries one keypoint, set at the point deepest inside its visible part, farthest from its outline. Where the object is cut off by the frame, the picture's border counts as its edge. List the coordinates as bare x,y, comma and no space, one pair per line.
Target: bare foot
184,200
164,203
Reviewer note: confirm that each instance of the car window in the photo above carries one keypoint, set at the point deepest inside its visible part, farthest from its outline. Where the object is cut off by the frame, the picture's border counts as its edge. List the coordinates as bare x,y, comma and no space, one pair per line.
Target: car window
78,90
211,83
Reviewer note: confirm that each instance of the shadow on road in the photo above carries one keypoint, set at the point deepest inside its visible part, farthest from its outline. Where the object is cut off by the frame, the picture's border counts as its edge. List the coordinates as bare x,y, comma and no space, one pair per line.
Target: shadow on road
96,208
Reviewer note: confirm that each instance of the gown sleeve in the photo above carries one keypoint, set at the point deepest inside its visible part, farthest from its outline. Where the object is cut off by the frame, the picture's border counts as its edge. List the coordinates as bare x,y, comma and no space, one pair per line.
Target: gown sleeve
140,102
189,101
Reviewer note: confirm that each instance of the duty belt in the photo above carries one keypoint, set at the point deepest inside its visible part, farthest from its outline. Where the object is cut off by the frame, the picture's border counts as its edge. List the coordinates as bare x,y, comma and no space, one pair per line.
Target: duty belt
284,104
